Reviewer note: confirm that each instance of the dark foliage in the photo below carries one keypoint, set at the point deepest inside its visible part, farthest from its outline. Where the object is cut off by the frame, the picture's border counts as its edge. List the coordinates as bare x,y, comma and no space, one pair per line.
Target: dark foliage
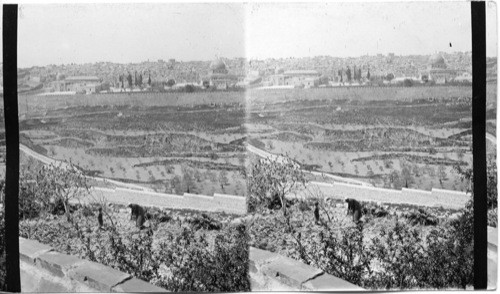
421,217
205,222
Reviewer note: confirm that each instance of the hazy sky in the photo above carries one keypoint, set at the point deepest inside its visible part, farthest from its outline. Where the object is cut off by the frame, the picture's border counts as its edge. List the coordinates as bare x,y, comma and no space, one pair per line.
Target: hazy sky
58,33
55,34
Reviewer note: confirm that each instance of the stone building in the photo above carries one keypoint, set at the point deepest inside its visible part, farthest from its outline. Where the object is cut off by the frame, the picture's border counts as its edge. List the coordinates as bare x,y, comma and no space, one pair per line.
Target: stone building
78,84
219,77
437,70
296,78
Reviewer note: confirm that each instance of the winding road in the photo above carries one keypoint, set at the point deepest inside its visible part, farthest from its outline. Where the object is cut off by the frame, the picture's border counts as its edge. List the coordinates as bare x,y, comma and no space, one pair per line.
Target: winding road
48,160
279,158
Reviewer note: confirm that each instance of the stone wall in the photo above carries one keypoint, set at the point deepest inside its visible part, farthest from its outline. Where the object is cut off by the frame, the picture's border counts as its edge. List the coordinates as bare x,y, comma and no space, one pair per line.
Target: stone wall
273,272
492,256
436,197
216,203
45,270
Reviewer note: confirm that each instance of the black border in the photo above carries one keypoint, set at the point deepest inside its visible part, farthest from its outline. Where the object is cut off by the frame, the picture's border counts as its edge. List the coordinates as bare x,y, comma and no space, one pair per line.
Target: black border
478,19
11,207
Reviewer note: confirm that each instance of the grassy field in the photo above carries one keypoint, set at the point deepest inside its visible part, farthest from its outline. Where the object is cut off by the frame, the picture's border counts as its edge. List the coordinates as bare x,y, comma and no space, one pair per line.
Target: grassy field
31,105
175,149
389,142
389,136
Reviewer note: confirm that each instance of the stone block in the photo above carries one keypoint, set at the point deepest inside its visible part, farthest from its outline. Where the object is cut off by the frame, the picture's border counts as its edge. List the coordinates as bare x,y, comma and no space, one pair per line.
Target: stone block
48,286
29,250
57,263
135,285
326,282
256,285
492,236
290,272
98,276
258,257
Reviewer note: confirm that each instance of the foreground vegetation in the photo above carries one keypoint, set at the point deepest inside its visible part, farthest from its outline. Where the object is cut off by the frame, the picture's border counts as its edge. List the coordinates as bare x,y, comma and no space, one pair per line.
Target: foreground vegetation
177,250
393,247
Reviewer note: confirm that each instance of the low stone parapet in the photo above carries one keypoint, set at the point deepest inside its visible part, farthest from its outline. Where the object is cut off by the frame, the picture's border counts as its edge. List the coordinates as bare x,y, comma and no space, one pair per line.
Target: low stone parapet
273,272
45,270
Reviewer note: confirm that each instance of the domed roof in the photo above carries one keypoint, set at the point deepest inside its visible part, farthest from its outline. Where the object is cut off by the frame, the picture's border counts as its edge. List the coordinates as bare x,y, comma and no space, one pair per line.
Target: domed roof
436,59
217,64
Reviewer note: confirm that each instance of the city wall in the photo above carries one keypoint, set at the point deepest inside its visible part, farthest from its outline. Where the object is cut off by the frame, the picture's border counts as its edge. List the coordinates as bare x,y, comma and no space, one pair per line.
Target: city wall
433,198
216,203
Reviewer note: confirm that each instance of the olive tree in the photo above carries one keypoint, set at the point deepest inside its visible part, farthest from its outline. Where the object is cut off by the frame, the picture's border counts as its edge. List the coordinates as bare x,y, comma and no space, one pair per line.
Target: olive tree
270,181
53,185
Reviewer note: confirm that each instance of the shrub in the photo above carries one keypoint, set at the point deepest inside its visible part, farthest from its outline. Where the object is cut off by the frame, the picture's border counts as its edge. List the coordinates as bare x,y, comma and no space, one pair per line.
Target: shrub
491,184
374,210
399,251
493,217
205,222
192,268
421,217
303,206
343,255
183,261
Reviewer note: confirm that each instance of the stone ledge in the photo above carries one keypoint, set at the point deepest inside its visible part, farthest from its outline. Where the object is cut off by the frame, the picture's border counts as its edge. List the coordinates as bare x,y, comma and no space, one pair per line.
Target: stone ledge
492,236
75,271
259,257
29,250
326,282
287,273
98,276
136,285
57,263
290,272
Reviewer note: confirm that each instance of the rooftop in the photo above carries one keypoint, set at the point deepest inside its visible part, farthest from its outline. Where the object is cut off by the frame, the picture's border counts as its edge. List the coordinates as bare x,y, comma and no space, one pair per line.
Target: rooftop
82,78
301,72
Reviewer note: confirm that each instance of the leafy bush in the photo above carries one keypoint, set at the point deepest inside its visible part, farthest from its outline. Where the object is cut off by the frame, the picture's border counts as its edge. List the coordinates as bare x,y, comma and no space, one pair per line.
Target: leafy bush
421,217
185,261
192,268
493,217
491,183
399,252
205,222
303,206
374,210
400,257
343,255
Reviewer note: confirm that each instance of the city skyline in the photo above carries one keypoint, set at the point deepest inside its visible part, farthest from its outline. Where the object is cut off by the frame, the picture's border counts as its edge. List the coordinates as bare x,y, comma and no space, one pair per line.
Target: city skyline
90,33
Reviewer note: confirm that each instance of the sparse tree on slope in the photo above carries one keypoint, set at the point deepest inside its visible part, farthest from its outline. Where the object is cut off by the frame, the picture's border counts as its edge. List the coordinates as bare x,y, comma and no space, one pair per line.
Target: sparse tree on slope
270,181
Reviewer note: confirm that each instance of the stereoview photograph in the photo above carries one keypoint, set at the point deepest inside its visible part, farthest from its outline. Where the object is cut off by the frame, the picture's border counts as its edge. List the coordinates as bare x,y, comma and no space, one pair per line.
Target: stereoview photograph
236,147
